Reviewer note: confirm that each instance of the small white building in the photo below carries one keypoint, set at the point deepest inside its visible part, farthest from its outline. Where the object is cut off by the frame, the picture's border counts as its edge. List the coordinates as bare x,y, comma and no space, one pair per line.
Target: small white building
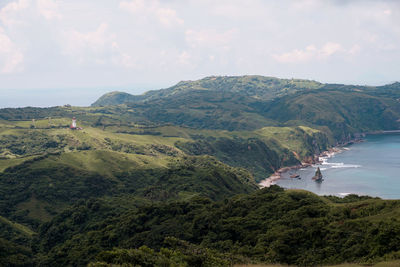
73,124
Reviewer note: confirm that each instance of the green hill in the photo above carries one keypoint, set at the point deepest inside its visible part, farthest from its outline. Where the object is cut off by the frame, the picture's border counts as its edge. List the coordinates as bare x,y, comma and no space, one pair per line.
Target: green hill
169,177
258,87
343,112
270,225
253,102
116,98
37,189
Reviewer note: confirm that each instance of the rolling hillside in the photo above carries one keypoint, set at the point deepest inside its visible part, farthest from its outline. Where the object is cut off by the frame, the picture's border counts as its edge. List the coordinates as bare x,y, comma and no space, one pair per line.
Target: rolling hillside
270,225
253,102
258,87
343,112
170,177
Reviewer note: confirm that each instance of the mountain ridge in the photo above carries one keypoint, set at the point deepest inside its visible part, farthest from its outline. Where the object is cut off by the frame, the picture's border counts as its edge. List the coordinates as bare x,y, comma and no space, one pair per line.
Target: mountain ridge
250,85
256,86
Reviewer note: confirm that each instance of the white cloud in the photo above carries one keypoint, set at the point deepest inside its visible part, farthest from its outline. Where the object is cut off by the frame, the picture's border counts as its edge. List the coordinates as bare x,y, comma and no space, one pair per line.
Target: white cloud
133,6
210,38
152,8
297,55
11,58
168,16
311,52
8,12
329,49
78,42
120,58
48,9
306,4
355,49
387,12
185,58
99,47
168,40
12,13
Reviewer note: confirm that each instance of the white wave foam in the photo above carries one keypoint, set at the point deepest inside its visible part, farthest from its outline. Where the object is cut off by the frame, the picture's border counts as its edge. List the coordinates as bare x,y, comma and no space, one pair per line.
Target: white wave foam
326,164
346,166
333,163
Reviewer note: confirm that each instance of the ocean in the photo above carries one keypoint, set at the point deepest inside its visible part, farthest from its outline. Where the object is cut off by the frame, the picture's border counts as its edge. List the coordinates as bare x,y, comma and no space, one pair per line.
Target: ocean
367,168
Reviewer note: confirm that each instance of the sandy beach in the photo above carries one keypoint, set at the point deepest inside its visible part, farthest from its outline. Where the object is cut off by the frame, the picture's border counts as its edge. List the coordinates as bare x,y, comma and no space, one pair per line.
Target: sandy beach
277,175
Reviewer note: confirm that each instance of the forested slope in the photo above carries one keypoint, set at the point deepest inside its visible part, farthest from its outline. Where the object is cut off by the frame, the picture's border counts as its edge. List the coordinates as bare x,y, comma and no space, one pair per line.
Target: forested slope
169,177
270,225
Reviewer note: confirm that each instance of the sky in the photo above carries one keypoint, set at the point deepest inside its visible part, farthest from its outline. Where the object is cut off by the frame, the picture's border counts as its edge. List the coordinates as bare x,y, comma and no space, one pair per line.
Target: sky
54,52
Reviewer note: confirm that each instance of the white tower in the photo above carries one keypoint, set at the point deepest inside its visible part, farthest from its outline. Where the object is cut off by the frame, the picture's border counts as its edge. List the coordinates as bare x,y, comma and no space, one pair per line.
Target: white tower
73,124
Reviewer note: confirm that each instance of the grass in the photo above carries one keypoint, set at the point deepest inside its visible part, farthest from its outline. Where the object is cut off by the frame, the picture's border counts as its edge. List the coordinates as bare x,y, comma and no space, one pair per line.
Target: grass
19,227
97,139
99,134
43,123
106,161
5,163
288,137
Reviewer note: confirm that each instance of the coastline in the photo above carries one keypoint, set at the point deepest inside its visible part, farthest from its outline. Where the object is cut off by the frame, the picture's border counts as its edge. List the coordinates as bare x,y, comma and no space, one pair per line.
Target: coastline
321,157
317,159
278,174
384,132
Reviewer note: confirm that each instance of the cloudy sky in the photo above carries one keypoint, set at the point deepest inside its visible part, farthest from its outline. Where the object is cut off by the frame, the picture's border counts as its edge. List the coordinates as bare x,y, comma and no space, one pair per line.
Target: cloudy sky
58,51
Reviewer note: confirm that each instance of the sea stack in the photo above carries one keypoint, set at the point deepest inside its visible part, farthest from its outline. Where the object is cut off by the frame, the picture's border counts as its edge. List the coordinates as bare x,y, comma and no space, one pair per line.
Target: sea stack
318,176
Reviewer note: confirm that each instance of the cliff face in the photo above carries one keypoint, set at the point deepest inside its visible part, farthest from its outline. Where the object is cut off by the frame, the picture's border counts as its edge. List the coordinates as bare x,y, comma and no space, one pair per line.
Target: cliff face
265,152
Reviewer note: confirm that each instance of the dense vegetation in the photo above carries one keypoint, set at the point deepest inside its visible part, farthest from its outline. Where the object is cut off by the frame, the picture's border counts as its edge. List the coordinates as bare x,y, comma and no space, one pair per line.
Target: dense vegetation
251,85
36,189
251,102
268,150
270,225
345,113
168,178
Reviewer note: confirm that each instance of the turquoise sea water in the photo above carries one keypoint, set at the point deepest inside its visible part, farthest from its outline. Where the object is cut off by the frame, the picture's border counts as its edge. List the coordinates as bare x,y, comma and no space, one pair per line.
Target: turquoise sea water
368,168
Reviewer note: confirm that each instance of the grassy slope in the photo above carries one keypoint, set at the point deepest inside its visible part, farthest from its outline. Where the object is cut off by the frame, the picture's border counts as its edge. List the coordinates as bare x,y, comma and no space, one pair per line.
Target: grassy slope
278,138
258,87
118,141
5,163
343,112
244,103
294,138
262,151
18,227
146,147
46,184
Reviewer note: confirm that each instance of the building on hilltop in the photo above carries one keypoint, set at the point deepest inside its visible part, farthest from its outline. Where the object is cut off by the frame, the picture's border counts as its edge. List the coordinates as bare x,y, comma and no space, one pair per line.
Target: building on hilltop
73,125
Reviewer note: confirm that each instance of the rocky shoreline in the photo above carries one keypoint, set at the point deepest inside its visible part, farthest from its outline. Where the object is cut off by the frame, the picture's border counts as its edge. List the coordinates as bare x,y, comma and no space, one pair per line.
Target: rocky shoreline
278,174
315,160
